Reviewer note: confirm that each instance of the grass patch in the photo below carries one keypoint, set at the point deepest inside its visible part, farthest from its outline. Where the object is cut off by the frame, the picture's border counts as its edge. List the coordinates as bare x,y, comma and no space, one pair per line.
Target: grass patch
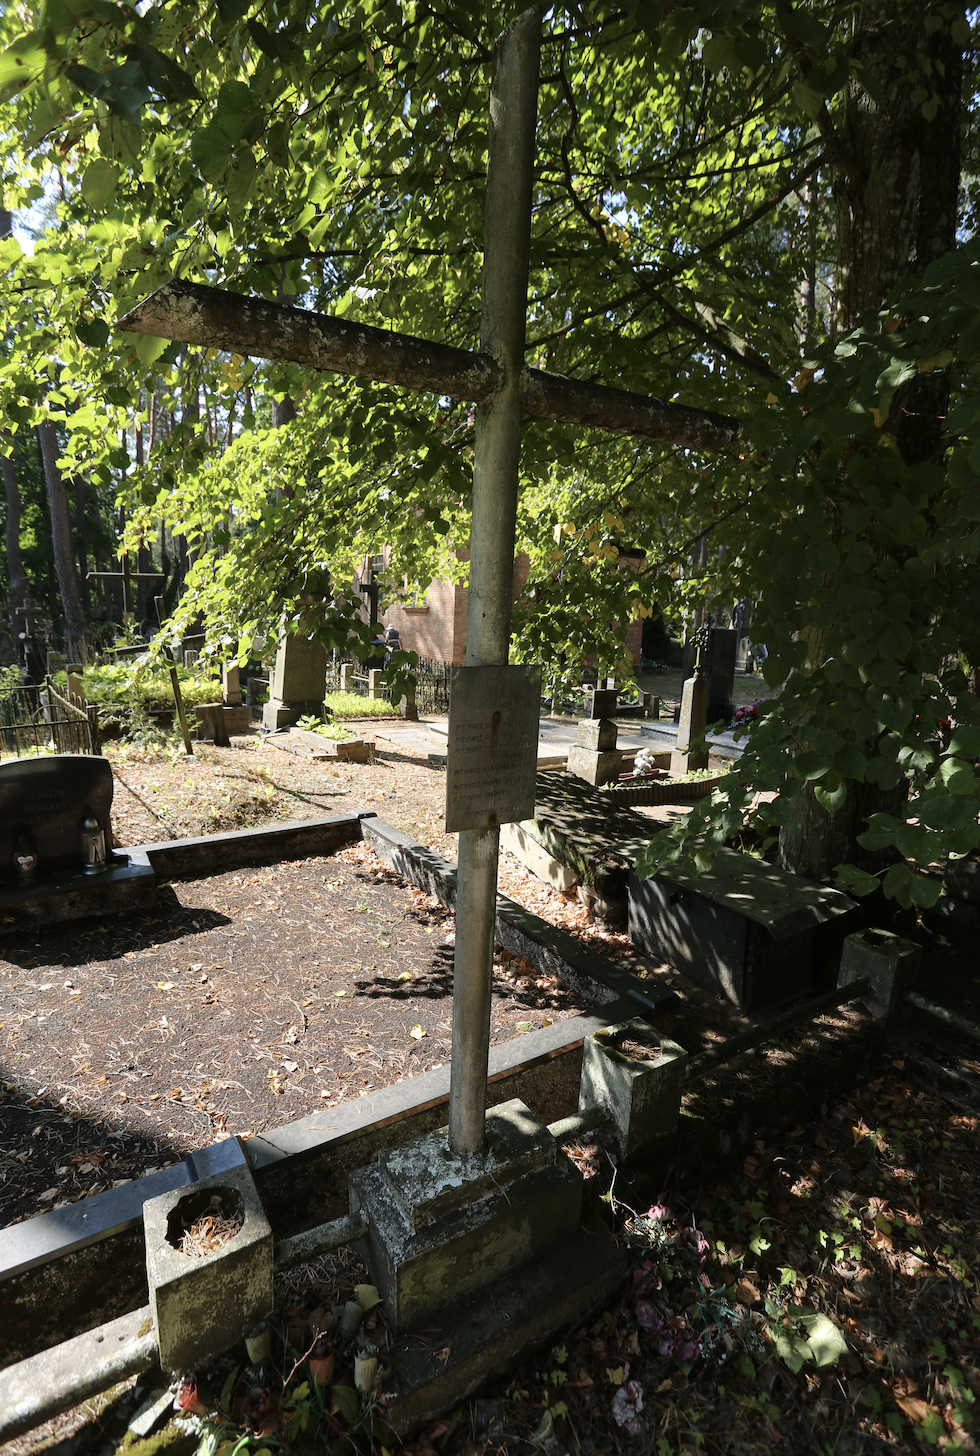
352,705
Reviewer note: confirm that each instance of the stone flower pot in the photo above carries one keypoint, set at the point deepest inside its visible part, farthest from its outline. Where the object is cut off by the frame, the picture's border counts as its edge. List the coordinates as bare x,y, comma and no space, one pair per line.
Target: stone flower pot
642,1092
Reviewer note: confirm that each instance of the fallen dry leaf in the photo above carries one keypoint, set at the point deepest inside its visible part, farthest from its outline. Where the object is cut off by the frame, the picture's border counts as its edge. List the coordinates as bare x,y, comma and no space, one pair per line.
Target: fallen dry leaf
915,1409
746,1292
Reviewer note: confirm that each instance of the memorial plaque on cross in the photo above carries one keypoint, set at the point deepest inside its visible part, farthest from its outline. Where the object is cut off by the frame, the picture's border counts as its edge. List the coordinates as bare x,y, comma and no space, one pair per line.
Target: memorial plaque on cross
504,389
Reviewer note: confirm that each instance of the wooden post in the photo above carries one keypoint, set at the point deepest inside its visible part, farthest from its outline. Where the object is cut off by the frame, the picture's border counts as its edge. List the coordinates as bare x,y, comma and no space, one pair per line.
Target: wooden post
506,249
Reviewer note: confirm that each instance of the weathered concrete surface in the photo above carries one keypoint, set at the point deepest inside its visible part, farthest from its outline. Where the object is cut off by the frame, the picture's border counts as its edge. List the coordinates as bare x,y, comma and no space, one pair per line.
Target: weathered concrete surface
298,681
597,839
63,1376
594,767
442,1227
201,1306
427,1182
549,950
643,1096
65,1271
208,854
889,964
530,1308
692,723
514,837
597,734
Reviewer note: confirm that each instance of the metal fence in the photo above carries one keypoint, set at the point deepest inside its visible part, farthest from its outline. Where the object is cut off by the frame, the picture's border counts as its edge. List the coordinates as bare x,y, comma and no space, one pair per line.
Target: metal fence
431,679
40,721
74,723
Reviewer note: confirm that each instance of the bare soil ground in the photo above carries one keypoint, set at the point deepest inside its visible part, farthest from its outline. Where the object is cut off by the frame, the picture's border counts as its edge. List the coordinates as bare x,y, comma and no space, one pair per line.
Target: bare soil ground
165,796
247,1000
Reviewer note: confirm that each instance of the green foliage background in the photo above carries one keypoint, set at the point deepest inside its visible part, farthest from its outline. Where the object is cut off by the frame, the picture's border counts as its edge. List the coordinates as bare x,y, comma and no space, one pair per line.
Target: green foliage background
335,156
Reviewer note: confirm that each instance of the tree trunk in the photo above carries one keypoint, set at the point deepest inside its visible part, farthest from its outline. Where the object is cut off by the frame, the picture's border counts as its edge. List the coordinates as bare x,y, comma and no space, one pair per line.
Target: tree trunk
80,545
896,191
76,642
17,590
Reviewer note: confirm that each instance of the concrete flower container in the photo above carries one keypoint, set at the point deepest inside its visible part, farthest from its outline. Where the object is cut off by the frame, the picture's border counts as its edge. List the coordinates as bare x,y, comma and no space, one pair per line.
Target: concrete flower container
643,1093
200,1306
663,792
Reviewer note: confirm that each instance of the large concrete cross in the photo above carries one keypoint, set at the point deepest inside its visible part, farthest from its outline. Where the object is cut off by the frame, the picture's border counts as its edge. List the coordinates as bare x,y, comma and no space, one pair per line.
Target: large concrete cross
504,389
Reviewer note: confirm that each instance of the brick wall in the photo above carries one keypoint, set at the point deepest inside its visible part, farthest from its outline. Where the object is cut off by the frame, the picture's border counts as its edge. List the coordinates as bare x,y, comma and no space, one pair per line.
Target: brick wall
438,630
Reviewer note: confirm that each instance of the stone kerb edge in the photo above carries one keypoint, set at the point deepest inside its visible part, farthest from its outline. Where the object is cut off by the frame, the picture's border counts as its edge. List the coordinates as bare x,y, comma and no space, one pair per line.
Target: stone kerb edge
546,948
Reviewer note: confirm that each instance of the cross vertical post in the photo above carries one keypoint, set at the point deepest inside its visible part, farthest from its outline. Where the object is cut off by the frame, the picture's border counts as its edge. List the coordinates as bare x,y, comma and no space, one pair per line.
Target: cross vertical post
507,241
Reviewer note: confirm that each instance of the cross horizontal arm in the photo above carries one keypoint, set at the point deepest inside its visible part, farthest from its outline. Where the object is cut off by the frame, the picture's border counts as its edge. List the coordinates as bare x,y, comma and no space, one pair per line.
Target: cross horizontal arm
133,575
193,313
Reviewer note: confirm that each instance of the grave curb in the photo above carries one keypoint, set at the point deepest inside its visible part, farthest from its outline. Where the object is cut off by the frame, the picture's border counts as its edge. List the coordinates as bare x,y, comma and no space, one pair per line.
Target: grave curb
55,1281
545,947
209,854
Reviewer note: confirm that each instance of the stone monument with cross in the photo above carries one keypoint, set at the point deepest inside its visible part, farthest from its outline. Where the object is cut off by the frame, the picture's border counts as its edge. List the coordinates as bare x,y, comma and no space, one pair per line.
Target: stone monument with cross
445,1221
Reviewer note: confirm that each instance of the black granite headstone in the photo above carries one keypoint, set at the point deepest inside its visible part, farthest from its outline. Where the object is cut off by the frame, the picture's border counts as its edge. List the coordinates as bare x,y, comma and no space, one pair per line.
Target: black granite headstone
600,703
44,803
718,671
721,676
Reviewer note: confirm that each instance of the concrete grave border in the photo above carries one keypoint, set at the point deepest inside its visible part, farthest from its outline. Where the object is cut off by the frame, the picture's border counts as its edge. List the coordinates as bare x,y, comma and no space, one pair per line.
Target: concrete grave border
66,1271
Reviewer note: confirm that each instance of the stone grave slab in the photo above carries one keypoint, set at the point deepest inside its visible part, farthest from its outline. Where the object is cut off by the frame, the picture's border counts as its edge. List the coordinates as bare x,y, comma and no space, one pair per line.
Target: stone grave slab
754,934
597,839
49,810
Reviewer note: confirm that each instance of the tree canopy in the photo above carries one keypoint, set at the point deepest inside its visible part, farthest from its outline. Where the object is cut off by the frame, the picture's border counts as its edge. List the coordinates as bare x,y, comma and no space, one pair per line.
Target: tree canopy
685,243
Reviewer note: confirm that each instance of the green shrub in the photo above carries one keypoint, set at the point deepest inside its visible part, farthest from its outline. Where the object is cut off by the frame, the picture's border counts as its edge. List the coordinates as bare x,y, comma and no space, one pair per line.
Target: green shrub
122,685
352,705
333,731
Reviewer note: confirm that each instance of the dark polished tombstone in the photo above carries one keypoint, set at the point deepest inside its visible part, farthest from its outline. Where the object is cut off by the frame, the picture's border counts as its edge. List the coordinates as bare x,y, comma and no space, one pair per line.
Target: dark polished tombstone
718,671
46,802
600,703
721,675
56,859
754,934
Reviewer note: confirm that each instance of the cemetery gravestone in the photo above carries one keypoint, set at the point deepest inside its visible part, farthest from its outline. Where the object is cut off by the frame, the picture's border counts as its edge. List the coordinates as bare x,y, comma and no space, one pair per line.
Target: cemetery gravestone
718,648
55,842
600,703
721,675
691,728
298,684
231,687
43,803
594,755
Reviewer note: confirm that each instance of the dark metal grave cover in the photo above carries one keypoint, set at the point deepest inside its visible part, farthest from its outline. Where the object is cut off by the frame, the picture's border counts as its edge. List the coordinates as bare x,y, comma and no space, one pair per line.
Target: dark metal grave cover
492,761
48,799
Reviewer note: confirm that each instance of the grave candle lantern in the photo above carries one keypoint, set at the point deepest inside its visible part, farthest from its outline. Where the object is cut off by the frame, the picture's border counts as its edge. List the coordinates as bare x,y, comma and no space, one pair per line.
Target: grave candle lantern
93,845
25,858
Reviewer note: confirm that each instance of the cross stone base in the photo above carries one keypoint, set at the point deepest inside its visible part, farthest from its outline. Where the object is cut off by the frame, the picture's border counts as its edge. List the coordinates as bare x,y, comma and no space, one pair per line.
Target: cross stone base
487,1335
443,1229
276,714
